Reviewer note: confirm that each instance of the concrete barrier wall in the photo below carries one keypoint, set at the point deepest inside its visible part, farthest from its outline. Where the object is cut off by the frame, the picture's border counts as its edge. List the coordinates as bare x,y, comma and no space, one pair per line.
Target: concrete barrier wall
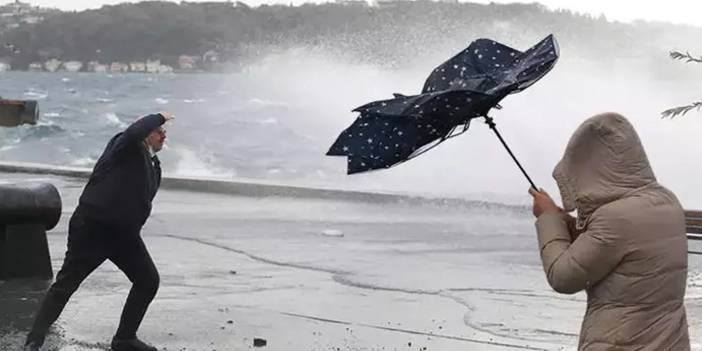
267,189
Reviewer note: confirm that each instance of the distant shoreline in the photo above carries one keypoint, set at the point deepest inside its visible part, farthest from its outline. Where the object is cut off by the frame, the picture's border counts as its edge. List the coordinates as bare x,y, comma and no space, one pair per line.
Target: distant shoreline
216,36
174,72
109,72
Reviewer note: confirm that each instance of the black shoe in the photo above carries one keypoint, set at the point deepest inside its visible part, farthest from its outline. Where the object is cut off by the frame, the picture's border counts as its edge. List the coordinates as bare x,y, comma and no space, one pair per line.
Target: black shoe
31,346
130,345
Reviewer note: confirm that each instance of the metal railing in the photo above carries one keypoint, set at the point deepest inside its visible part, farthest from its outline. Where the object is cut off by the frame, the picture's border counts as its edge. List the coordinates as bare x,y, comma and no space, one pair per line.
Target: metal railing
693,226
693,223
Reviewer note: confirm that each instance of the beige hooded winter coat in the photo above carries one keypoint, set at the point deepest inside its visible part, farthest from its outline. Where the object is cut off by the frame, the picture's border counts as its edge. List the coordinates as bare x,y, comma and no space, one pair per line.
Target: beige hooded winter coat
627,248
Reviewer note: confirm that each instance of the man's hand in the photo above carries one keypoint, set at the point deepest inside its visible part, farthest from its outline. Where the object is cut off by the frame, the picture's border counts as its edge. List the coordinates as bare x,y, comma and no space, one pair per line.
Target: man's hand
167,115
542,202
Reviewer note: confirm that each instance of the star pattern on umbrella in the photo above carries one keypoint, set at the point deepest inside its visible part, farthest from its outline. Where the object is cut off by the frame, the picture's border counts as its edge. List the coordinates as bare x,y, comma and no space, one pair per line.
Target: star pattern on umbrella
466,86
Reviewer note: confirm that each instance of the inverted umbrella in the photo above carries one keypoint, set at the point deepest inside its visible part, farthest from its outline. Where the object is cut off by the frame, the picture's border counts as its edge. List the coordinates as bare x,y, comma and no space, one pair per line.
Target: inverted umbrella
467,86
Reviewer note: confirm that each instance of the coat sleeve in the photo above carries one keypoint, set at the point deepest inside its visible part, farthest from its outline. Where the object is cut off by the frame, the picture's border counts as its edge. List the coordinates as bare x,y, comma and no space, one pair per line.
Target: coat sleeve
572,266
137,132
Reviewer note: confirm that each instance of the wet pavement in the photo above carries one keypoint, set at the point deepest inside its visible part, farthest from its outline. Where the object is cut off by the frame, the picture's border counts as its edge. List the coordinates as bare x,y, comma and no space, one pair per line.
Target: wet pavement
321,274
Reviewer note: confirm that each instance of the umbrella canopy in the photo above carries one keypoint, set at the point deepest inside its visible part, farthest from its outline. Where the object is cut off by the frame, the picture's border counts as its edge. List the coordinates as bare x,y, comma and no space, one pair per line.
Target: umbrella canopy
467,86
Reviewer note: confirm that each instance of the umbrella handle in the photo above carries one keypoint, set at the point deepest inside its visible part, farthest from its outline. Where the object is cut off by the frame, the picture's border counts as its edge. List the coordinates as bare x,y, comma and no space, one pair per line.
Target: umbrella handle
489,121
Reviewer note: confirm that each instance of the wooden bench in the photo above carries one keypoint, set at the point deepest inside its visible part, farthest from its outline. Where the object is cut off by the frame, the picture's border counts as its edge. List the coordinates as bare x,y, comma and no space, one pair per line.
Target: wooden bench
693,223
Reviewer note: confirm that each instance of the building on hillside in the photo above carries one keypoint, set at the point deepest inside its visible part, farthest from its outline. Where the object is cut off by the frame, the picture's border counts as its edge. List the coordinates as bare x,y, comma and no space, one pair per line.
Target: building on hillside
35,67
119,67
153,66
137,66
73,66
52,65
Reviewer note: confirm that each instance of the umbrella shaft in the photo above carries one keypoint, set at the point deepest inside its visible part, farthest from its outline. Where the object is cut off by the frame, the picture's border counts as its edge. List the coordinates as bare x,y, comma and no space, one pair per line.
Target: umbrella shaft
491,123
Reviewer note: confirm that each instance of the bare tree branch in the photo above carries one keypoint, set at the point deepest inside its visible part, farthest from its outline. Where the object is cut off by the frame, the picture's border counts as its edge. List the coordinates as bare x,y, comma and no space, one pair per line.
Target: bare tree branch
677,55
681,110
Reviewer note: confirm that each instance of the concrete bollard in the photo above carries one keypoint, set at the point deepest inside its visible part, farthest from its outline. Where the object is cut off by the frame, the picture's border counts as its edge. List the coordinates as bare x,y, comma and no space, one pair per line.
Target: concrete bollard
26,213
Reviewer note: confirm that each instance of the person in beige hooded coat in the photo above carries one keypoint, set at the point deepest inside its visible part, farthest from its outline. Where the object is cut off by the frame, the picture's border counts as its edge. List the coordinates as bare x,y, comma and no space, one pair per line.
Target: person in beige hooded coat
627,247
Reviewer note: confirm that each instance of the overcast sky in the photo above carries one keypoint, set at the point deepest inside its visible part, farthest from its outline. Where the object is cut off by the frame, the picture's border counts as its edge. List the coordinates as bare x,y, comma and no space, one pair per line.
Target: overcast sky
676,11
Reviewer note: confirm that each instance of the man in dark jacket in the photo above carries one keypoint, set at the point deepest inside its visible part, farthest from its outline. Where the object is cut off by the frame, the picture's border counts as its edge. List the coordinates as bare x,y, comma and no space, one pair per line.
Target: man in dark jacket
106,225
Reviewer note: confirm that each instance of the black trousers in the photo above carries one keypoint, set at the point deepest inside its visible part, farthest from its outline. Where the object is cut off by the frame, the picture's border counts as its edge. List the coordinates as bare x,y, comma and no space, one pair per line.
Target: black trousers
89,244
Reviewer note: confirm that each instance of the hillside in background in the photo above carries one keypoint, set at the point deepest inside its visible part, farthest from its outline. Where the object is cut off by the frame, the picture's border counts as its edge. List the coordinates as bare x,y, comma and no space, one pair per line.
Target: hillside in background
220,35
